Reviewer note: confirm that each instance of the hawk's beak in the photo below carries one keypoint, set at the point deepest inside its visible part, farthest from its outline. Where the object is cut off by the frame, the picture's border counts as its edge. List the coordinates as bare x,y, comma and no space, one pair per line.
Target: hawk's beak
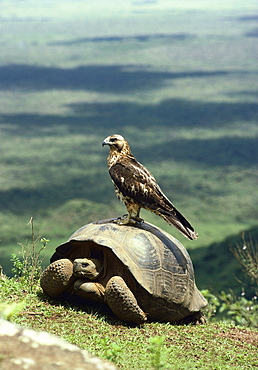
105,142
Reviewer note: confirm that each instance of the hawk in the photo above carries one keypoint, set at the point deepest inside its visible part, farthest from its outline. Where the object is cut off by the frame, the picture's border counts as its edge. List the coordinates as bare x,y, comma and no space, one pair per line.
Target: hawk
137,188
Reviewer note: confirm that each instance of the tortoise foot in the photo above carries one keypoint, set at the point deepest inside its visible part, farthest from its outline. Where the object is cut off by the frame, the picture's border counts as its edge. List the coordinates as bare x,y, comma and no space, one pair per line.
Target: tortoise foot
122,301
198,318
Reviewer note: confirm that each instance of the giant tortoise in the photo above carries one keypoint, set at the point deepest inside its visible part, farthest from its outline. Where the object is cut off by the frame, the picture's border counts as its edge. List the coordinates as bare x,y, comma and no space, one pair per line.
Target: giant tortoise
140,271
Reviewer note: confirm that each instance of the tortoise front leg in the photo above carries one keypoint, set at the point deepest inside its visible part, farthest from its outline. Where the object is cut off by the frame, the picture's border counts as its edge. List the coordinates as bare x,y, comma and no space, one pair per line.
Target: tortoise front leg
122,301
57,277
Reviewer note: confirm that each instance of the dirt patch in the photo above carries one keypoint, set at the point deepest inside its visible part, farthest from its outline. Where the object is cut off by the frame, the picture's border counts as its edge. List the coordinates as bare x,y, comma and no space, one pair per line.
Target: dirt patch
241,336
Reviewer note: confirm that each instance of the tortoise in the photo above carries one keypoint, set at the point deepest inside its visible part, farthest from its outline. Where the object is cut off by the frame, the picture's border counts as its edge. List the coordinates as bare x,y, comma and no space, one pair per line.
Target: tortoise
140,271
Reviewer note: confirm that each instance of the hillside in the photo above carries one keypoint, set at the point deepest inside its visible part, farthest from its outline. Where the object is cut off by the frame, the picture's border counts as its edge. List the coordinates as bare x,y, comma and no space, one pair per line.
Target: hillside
183,93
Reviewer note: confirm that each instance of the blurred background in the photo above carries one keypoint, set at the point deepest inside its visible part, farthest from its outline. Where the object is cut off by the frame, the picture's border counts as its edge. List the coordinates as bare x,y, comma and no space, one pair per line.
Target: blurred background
179,80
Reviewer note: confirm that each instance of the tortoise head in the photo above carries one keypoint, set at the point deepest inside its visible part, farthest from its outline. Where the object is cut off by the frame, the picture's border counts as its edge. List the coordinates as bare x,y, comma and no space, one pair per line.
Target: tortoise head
89,268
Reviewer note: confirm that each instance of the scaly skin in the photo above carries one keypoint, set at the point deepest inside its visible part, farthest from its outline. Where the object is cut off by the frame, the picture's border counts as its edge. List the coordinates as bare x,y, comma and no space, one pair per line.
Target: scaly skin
57,278
122,301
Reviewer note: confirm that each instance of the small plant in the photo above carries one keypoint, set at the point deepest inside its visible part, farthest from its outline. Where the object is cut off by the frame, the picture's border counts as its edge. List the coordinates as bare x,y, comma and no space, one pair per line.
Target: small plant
11,309
111,349
29,265
213,304
18,265
247,256
2,274
241,310
157,352
238,310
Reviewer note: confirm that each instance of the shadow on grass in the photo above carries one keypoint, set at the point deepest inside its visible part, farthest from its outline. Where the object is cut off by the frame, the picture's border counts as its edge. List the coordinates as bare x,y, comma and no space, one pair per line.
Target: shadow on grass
76,303
250,18
53,195
99,117
253,33
115,78
244,94
119,39
225,151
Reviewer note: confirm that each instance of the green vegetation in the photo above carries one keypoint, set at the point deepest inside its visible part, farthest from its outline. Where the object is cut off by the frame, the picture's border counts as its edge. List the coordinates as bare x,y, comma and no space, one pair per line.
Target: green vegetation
28,267
152,346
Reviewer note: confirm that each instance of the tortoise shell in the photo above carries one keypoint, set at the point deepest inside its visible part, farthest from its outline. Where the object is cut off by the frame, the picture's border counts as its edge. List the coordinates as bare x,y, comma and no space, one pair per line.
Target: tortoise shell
155,265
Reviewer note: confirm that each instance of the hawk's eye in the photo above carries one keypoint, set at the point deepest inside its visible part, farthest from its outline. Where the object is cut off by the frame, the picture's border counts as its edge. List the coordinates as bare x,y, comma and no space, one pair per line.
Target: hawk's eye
114,139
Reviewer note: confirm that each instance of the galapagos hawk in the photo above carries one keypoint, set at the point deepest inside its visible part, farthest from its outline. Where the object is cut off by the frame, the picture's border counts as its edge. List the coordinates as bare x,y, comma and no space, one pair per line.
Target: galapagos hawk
137,188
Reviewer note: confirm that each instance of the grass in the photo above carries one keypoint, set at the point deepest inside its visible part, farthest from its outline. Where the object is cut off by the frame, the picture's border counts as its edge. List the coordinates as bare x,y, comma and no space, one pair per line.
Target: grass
152,346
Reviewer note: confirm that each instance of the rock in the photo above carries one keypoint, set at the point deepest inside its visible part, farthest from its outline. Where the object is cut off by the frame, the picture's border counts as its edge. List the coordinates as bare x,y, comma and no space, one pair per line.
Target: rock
22,348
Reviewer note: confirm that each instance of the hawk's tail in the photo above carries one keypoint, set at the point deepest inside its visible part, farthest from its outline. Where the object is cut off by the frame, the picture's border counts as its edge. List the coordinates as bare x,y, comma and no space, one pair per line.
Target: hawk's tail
176,219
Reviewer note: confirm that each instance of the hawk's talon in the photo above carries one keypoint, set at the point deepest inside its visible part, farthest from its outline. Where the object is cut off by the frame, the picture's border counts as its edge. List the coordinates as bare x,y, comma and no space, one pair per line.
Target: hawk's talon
120,220
116,220
125,220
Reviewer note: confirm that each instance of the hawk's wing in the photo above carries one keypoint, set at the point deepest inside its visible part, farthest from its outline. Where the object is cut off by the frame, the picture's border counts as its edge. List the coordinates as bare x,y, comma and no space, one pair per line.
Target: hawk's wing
136,182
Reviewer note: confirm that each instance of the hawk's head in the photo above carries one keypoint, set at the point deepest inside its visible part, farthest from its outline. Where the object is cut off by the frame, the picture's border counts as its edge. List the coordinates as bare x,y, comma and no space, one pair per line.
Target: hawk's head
116,142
